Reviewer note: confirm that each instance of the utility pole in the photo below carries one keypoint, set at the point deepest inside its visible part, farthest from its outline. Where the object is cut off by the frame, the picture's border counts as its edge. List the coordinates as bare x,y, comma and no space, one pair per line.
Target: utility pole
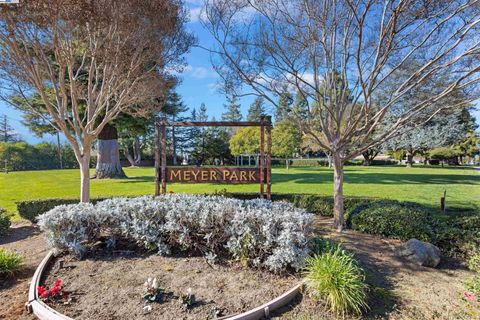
59,146
5,128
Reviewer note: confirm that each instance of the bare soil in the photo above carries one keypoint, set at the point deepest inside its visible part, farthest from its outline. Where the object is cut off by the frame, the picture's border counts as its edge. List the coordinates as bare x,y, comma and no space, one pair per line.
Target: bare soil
399,289
110,286
25,239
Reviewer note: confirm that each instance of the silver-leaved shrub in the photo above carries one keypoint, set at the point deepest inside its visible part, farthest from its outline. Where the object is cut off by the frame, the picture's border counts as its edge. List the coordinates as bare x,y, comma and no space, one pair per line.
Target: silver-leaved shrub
274,235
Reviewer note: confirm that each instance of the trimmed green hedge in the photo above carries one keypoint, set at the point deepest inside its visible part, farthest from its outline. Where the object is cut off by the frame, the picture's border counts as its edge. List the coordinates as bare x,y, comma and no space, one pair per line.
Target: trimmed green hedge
321,205
459,235
32,208
317,204
394,219
4,221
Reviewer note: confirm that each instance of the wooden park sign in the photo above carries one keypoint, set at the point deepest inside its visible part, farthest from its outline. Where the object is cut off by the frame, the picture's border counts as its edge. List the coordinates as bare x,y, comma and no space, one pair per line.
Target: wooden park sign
235,175
214,175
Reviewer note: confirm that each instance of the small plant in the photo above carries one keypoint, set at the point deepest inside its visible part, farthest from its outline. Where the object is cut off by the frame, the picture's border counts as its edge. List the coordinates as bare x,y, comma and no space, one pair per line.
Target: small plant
153,292
474,262
187,300
216,312
335,277
55,294
473,288
10,262
4,221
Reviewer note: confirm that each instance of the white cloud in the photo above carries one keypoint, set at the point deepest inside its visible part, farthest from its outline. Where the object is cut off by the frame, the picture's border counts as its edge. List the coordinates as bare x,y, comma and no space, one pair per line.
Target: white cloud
199,72
196,14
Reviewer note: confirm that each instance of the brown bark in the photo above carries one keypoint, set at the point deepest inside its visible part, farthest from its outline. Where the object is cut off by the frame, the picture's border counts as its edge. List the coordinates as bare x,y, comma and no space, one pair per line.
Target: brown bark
338,214
84,163
108,157
409,159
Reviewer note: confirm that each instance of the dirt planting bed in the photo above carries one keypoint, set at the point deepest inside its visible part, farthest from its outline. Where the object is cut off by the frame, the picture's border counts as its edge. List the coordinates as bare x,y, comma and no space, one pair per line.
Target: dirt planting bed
109,285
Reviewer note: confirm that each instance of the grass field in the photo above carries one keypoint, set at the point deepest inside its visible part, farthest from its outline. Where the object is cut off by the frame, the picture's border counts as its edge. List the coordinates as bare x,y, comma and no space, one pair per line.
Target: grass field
419,184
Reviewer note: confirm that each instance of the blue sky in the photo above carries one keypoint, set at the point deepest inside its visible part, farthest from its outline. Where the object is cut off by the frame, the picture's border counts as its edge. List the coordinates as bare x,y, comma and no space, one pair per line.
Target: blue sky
199,81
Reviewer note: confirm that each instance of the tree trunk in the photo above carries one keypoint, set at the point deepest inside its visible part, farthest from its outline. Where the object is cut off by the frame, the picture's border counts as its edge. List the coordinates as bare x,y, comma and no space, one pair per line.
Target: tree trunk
339,219
409,158
174,147
59,147
108,157
286,163
129,157
329,157
84,163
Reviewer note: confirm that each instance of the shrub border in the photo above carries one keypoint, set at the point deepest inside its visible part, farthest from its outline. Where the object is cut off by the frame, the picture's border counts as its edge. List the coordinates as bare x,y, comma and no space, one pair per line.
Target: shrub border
44,312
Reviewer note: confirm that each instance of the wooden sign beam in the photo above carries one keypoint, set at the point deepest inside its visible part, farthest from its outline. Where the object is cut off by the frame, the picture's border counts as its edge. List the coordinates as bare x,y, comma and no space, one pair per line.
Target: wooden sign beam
216,123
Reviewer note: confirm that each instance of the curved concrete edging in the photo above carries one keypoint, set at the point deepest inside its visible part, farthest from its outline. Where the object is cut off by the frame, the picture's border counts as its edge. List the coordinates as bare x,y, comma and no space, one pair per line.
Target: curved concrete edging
34,304
44,312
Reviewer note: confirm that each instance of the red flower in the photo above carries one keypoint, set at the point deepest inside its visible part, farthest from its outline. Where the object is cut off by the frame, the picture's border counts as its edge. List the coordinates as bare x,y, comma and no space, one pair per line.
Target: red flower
470,296
55,291
40,289
44,294
58,283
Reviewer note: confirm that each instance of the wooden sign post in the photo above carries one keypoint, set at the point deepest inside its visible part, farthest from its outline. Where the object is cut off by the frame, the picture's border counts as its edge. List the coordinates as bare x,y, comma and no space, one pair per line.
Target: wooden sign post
261,175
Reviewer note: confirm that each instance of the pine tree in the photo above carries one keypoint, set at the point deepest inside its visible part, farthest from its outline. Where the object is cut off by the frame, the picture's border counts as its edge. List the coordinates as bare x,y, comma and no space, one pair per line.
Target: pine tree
202,115
284,106
256,110
7,134
174,110
233,110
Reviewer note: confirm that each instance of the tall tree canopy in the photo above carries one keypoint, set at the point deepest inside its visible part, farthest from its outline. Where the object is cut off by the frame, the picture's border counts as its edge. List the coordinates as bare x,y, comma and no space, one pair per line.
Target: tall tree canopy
232,112
340,54
256,110
91,60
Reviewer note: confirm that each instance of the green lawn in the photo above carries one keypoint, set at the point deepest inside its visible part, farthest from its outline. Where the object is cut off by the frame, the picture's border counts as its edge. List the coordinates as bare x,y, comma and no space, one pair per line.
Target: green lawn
420,184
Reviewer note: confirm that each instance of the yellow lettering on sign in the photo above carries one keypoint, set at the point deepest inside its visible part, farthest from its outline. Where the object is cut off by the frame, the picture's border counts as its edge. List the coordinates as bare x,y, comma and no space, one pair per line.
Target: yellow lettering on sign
175,174
243,175
195,174
234,176
251,175
226,174
213,175
204,175
186,175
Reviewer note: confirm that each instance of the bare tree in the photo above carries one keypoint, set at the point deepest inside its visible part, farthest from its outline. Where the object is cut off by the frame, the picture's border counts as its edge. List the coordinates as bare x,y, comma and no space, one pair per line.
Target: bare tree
340,54
90,61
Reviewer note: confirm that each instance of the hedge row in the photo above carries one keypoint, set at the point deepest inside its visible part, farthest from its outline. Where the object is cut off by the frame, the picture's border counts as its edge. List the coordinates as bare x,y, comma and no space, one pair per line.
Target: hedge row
320,205
458,235
4,221
324,163
31,209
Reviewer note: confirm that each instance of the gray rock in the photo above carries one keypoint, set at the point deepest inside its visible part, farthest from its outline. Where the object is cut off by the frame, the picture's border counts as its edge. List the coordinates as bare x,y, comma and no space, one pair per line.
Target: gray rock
422,253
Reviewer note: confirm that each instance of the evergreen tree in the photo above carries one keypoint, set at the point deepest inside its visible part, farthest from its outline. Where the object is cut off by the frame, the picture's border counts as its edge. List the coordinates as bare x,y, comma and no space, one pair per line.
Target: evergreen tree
202,115
284,106
7,134
469,146
256,110
233,110
300,106
174,110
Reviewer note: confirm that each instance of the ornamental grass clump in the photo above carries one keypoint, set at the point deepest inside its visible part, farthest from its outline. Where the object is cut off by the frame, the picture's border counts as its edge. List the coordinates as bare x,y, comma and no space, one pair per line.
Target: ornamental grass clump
10,263
335,278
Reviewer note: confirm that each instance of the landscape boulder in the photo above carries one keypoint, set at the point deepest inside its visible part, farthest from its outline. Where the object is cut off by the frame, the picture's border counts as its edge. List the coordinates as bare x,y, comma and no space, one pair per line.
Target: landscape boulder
420,252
